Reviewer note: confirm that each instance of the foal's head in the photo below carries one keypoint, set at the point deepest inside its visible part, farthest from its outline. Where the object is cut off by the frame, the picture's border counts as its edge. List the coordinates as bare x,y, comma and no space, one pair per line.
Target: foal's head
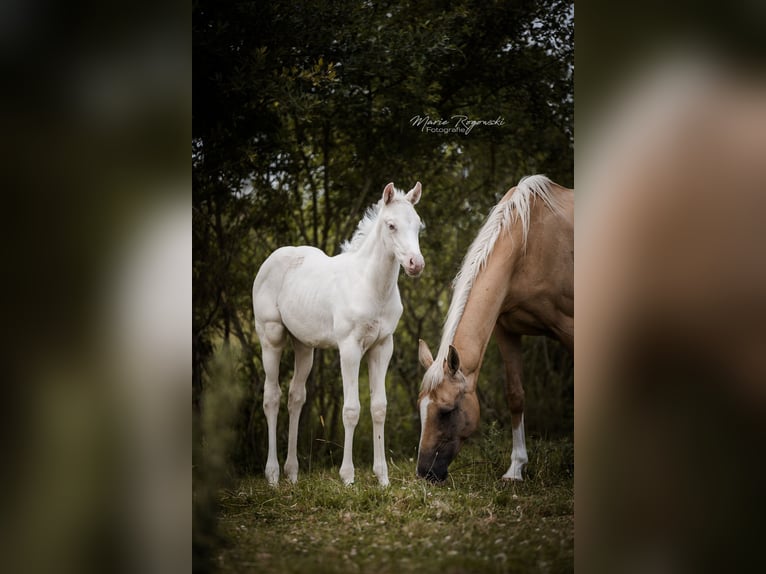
449,414
401,226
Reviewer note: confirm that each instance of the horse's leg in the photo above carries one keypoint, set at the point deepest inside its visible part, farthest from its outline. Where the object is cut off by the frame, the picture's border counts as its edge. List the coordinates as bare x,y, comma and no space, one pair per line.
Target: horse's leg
510,349
304,359
350,357
378,358
272,337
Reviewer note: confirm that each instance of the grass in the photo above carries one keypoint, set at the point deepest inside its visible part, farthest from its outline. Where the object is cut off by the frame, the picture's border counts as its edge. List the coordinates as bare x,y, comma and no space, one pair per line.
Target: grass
473,523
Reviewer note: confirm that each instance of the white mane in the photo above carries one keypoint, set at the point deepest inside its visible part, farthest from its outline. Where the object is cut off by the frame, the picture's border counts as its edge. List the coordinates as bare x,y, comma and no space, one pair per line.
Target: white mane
502,217
367,224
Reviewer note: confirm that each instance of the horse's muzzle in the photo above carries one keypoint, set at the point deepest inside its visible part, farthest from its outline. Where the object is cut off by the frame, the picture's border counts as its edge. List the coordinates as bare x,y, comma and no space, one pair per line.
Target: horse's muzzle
432,477
435,472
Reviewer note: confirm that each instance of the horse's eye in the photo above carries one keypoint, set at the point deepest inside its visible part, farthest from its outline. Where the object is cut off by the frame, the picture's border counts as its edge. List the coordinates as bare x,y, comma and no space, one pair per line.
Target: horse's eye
391,227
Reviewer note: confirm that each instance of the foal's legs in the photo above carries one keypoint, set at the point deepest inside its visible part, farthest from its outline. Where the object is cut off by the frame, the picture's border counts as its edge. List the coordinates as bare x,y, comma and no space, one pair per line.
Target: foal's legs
510,349
350,357
304,358
272,337
378,358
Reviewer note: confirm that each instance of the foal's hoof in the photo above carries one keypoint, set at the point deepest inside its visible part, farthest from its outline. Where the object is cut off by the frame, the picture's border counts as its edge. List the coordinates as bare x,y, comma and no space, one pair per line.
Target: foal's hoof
347,476
291,472
272,475
381,472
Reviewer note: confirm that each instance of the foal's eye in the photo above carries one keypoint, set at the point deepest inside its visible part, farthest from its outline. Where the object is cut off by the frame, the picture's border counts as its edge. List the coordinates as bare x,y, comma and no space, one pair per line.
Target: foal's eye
391,227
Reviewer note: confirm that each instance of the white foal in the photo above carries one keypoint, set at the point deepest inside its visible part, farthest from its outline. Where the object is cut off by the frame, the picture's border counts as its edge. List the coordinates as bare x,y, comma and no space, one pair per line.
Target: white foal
351,302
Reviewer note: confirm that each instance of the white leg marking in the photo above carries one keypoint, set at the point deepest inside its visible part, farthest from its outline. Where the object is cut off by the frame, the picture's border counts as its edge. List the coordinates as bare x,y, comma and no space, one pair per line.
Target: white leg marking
518,454
424,402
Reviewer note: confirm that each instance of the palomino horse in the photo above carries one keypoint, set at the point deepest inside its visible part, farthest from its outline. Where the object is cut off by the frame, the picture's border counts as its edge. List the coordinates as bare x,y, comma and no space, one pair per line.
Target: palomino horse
350,301
516,279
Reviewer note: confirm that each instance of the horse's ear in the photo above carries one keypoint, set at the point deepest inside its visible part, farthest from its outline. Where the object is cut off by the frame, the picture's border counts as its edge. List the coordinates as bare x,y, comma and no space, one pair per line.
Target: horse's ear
388,193
414,194
424,354
453,361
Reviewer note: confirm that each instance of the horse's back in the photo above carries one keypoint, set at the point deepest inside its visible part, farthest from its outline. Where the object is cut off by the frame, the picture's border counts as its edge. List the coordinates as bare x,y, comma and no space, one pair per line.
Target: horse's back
270,279
541,285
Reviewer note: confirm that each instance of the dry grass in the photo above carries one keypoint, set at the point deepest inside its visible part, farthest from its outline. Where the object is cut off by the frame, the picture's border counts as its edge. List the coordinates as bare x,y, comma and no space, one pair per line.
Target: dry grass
474,523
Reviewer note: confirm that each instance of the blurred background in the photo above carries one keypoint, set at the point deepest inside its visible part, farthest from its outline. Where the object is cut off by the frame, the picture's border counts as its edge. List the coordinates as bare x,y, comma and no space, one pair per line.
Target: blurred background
94,112
671,287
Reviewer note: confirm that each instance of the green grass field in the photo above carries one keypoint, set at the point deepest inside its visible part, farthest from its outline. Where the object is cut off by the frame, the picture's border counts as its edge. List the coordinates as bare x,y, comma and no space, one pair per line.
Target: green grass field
473,523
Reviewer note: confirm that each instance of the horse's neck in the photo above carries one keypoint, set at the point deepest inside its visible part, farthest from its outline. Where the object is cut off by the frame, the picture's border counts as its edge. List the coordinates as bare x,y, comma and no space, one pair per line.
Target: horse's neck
482,308
380,267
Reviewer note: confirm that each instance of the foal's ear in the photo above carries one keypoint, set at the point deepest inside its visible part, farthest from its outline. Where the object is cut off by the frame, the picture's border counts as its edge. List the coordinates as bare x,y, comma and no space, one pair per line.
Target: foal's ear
388,193
424,354
453,361
414,194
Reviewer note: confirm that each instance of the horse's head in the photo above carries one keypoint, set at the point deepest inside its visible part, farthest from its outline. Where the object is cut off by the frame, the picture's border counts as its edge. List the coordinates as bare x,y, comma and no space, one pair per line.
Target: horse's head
401,226
449,414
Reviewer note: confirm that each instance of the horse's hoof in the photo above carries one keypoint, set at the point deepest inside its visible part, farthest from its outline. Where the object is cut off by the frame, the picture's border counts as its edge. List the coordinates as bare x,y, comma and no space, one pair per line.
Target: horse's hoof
512,478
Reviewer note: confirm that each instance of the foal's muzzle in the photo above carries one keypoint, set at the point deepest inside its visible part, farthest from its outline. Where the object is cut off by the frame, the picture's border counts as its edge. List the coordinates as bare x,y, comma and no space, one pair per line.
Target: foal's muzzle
414,266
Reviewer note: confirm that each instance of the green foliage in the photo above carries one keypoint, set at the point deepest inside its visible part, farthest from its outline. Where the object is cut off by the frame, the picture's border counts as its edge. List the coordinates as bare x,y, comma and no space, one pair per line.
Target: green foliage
301,116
